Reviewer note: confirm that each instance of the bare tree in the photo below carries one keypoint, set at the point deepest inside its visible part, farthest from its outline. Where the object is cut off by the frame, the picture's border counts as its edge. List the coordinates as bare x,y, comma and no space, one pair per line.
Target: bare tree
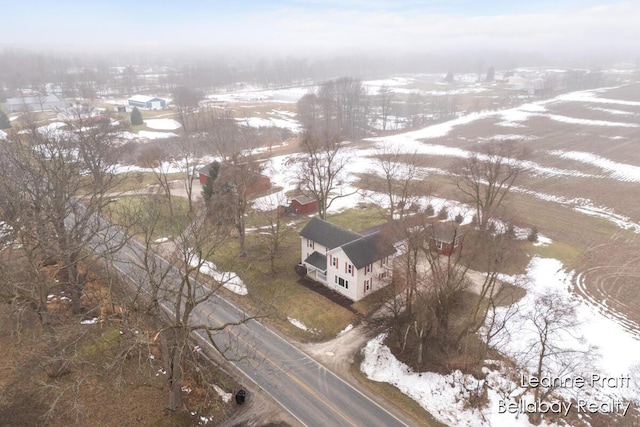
186,101
486,178
553,349
401,183
276,230
155,158
320,171
386,99
56,183
179,292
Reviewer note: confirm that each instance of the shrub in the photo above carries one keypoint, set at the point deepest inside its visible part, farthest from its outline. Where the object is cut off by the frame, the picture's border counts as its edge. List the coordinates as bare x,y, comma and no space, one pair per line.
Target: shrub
459,218
136,117
533,235
428,211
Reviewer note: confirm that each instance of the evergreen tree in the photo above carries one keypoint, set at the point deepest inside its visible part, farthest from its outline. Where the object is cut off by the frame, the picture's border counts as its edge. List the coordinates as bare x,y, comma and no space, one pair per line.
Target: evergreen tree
5,123
136,117
207,188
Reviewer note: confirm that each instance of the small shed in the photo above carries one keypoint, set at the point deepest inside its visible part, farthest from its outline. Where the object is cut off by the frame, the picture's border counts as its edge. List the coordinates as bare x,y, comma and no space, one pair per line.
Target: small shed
443,238
303,205
203,174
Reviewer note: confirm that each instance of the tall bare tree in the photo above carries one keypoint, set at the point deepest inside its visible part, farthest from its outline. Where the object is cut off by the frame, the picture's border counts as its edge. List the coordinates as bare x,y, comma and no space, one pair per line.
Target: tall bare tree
275,230
553,349
321,170
56,182
486,177
179,293
186,101
395,179
385,96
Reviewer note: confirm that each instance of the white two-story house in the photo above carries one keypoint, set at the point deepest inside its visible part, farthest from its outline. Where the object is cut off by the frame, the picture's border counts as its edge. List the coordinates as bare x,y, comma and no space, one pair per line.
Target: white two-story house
350,263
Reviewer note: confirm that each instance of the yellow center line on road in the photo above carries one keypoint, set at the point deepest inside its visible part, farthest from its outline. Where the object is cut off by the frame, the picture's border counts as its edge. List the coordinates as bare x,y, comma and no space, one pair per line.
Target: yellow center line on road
293,377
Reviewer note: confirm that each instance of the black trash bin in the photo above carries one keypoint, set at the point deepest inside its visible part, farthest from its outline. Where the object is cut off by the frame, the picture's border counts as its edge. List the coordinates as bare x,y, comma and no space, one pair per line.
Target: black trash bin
241,396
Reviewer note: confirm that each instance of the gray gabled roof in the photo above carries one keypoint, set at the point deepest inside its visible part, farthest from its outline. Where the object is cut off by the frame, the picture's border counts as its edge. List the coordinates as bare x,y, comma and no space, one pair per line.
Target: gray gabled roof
303,200
326,234
368,249
318,260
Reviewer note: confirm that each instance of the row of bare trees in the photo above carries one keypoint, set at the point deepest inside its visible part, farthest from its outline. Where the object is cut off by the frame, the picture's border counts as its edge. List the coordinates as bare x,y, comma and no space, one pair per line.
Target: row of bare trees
449,312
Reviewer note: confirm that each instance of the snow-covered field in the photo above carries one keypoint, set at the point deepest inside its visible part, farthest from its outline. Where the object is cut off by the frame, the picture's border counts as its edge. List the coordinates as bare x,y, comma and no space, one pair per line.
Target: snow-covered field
444,396
162,124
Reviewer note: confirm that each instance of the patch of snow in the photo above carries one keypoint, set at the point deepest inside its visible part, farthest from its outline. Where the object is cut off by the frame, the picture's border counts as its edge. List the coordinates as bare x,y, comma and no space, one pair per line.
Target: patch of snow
89,321
298,324
257,122
3,134
446,396
509,124
573,120
156,135
612,111
228,279
163,124
543,241
346,329
162,240
257,94
226,397
618,171
590,96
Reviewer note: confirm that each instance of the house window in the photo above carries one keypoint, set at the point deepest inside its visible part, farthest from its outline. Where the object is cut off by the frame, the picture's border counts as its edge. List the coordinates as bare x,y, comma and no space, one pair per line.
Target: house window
310,244
383,275
367,269
340,281
438,245
334,262
349,268
384,261
367,285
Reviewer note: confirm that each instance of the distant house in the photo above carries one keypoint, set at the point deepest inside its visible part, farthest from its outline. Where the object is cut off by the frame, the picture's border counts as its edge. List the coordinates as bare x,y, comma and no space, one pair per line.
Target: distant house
36,103
350,263
147,102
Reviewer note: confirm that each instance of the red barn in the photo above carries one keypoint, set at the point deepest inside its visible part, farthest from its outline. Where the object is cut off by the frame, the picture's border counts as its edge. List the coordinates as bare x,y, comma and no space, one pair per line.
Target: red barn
303,205
203,174
261,184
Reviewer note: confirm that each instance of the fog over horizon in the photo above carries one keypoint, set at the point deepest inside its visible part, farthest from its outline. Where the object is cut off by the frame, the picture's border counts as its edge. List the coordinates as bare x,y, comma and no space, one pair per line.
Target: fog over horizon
410,35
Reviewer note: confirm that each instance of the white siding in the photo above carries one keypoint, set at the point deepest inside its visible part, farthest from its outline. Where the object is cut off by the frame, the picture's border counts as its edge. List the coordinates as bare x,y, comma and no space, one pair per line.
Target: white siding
342,273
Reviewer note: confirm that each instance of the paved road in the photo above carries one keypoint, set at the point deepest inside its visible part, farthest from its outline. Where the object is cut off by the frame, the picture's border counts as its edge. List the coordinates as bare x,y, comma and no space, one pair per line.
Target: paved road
307,390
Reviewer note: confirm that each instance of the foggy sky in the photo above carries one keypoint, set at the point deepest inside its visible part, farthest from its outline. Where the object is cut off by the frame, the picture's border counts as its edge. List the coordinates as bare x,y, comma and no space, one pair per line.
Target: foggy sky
563,27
